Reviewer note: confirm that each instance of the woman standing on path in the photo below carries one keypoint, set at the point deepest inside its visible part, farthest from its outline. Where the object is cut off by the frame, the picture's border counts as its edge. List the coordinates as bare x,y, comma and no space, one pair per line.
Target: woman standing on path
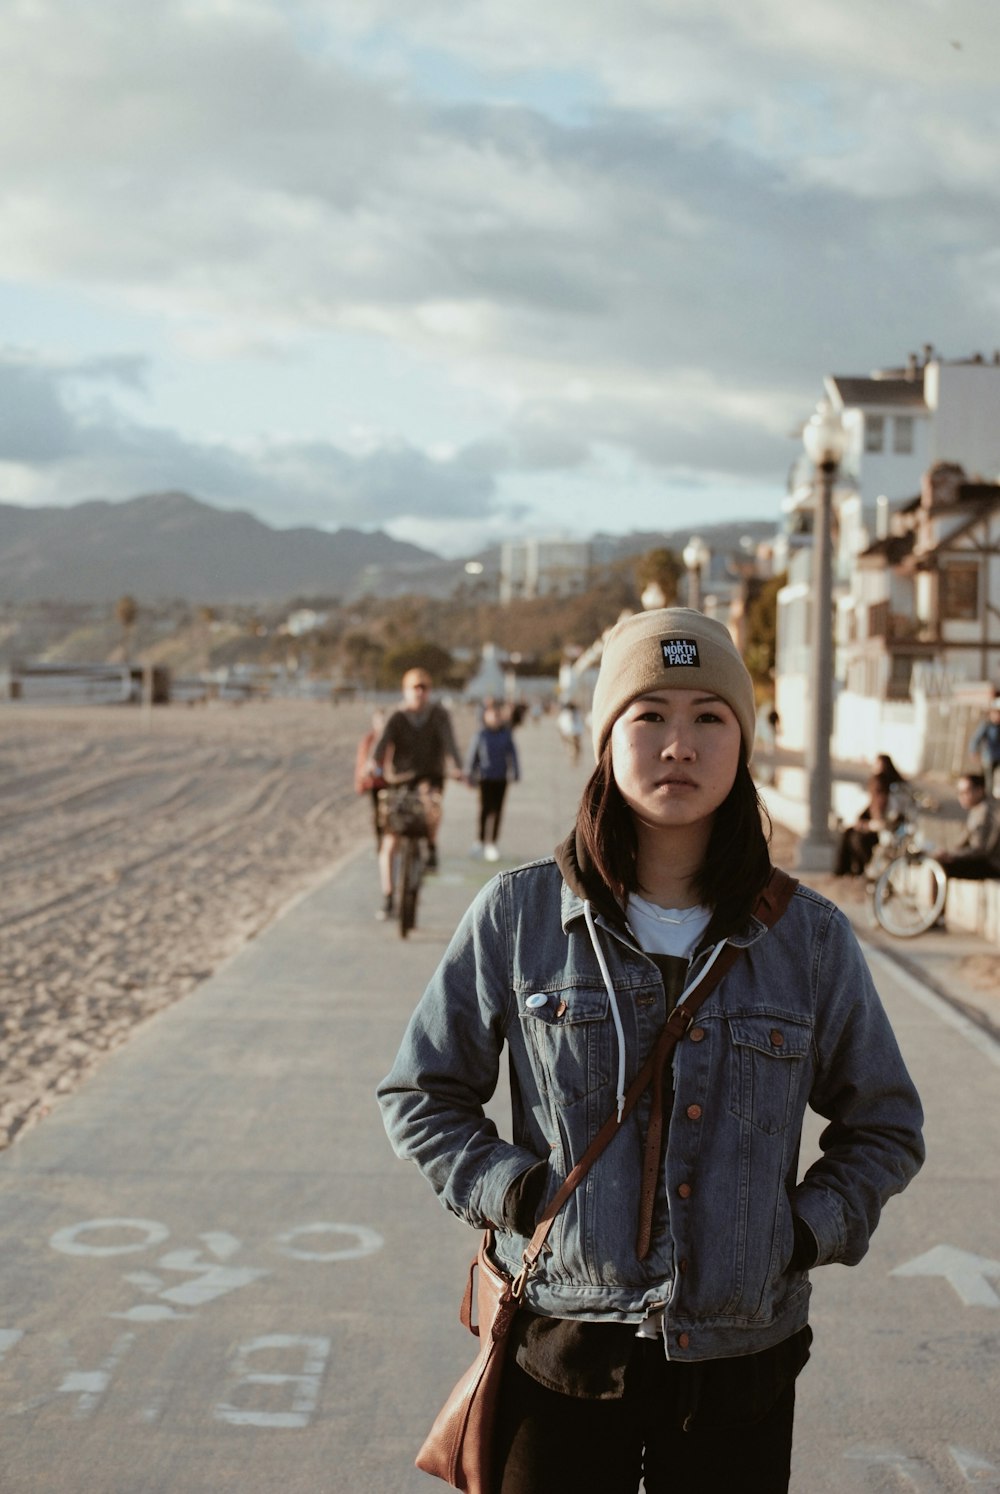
492,763
666,1352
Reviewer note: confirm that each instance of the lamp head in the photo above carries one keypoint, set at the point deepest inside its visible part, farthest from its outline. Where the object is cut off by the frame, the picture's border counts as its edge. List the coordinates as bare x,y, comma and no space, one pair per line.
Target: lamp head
823,437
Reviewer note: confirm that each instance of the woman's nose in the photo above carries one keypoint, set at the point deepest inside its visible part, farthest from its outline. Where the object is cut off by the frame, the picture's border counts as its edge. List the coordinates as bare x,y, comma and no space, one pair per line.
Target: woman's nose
678,747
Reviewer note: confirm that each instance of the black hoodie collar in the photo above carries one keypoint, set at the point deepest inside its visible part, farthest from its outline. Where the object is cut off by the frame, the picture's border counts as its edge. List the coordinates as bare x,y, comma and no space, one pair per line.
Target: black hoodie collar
583,879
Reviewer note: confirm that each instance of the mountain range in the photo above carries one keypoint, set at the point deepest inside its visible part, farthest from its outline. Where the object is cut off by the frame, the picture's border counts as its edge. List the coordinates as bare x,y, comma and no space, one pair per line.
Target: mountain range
169,545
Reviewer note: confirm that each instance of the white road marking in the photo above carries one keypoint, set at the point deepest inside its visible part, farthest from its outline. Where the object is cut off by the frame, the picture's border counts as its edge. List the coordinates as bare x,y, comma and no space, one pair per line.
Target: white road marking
975,1468
90,1385
368,1242
8,1338
148,1312
304,1386
211,1281
963,1271
221,1243
69,1243
914,1472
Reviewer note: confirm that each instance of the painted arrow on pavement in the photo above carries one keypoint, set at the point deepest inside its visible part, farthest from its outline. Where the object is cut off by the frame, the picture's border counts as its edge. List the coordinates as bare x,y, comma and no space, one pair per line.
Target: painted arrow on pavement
966,1272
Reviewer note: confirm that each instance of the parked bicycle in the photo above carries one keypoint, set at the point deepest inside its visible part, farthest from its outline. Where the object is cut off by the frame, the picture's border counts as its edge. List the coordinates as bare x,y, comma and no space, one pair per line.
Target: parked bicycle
403,813
907,884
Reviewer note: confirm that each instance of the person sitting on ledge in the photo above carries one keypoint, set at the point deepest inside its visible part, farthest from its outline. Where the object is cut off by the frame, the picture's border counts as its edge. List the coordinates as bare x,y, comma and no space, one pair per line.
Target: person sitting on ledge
976,856
859,840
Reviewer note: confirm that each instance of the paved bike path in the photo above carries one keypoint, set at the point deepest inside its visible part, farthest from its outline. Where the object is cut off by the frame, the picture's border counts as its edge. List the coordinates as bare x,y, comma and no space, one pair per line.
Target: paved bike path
281,1285
215,1276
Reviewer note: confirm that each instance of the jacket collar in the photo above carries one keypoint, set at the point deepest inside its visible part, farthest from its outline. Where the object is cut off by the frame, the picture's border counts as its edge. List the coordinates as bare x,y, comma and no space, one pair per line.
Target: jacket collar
581,883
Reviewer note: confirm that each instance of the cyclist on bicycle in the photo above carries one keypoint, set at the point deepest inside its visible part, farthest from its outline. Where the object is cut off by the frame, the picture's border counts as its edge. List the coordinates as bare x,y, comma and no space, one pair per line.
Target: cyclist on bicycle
416,744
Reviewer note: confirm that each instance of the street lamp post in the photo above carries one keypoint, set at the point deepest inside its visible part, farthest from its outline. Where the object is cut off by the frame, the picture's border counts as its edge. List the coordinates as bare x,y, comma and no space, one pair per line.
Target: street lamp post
823,439
696,556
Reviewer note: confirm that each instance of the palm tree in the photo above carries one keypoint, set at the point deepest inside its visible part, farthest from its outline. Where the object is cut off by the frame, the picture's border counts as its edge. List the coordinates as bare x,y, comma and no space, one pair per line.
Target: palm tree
126,611
206,617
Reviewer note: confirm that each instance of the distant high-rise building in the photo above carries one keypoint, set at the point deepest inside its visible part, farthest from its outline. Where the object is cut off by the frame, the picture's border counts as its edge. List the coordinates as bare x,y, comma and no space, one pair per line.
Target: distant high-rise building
543,568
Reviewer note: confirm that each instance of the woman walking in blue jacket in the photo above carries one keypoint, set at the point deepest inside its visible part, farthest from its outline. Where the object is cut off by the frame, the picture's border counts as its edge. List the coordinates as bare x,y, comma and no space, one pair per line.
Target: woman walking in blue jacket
667,1351
492,764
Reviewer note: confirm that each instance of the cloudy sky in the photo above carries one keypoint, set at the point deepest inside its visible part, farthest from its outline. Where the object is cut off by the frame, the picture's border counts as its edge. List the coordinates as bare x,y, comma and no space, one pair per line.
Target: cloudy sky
472,268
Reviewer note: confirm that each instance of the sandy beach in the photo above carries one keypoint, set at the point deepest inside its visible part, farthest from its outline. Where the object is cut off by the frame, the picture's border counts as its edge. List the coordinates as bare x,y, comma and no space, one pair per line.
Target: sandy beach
139,851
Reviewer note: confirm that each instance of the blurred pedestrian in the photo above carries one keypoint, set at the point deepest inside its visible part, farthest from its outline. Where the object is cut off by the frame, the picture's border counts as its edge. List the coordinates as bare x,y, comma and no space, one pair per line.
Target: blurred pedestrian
368,778
858,841
976,856
985,745
492,764
571,728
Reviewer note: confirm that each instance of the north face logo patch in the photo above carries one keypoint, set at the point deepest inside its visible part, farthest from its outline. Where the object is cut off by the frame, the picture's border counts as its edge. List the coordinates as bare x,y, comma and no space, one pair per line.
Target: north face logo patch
680,652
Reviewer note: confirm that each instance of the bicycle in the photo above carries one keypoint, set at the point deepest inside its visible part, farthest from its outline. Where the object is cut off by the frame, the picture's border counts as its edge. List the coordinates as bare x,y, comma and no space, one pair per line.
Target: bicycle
403,813
908,885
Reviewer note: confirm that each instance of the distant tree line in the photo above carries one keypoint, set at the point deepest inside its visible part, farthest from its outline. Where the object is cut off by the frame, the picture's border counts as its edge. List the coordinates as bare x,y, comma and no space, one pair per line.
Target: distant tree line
372,641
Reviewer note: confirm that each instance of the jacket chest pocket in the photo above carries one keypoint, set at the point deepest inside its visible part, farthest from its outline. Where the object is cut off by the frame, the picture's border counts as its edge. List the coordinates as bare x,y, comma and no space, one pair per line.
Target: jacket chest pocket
767,1055
568,1034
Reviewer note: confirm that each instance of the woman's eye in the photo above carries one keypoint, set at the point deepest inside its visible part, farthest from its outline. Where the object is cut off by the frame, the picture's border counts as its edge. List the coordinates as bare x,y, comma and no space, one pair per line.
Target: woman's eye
709,716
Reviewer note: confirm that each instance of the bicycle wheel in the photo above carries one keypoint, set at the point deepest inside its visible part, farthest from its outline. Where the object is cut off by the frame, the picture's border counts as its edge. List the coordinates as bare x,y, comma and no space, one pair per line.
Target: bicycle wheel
409,885
909,895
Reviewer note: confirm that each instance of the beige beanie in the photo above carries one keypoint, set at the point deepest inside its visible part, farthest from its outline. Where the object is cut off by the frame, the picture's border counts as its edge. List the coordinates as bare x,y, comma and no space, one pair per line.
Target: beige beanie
671,648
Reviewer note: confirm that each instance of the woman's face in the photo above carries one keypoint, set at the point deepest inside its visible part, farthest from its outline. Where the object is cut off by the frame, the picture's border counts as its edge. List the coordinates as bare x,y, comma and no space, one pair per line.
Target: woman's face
674,755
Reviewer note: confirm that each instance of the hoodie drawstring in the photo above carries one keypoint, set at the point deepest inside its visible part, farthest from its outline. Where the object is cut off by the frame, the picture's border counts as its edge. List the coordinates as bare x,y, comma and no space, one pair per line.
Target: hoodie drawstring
616,1014
612,998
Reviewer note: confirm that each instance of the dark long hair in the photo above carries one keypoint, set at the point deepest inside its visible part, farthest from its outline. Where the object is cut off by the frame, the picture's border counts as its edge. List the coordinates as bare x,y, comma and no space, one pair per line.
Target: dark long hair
737,862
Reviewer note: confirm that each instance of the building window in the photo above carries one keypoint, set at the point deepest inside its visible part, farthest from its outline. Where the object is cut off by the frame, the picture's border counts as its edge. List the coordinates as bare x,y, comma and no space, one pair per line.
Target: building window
902,435
960,593
900,675
874,432
878,620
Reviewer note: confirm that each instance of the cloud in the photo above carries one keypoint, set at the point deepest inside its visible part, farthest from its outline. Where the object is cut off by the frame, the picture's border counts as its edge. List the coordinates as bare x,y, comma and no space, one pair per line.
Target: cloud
642,227
72,442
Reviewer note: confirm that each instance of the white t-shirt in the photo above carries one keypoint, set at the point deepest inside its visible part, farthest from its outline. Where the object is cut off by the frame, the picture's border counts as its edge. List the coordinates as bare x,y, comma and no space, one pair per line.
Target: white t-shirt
668,931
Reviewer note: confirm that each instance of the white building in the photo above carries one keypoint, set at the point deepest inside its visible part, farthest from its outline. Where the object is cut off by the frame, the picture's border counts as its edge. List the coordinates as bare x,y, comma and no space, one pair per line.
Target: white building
900,575
305,620
543,567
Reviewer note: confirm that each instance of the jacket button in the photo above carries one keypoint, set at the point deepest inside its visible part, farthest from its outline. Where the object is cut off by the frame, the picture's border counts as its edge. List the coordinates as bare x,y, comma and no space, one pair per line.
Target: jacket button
682,1265
696,1034
693,1112
684,1340
685,1190
777,1038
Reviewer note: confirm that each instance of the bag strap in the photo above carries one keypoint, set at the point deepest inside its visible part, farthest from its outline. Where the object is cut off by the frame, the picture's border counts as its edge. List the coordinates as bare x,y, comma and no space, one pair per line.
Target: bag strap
770,905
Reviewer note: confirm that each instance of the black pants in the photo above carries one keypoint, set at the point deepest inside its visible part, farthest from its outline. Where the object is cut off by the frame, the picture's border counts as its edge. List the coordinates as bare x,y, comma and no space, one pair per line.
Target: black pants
972,869
547,1443
376,826
491,795
854,852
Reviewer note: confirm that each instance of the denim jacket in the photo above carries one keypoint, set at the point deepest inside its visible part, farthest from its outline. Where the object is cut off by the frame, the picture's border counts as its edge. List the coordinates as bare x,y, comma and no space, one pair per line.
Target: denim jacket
795,1022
